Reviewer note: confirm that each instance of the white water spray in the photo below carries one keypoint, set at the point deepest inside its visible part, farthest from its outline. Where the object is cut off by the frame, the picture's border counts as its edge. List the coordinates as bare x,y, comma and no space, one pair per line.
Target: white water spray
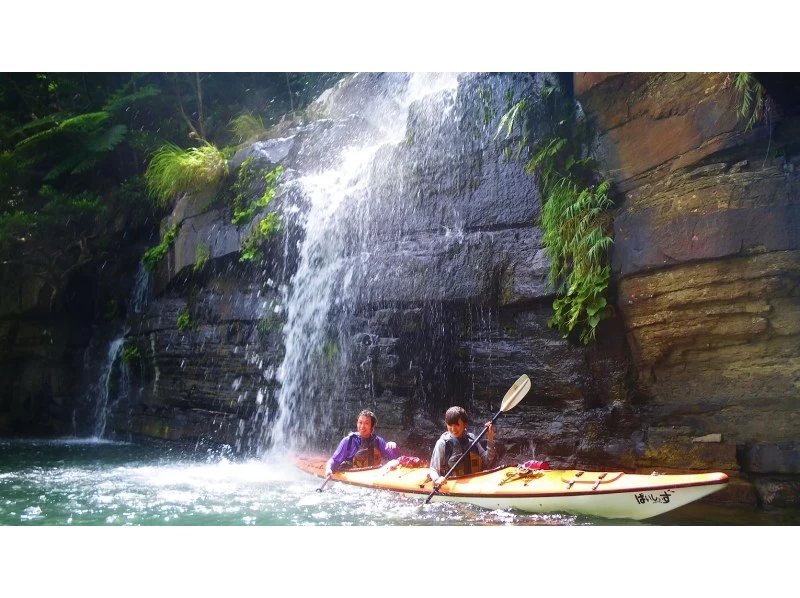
335,198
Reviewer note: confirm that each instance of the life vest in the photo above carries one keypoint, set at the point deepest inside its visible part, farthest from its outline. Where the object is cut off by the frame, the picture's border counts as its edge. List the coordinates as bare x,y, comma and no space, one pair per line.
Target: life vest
368,454
454,448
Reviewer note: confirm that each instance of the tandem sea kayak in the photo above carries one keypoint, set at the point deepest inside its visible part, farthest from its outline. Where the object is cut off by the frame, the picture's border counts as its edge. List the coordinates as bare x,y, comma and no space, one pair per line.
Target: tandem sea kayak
609,494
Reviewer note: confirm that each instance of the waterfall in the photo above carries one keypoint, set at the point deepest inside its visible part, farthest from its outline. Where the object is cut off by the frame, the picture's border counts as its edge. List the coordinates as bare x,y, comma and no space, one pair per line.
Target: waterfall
141,289
100,392
328,254
108,378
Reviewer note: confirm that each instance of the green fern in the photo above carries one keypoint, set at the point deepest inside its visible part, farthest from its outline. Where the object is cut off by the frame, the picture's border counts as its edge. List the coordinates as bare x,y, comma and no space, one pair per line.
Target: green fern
752,99
71,145
48,121
508,119
583,305
122,100
573,232
507,122
573,219
575,240
106,140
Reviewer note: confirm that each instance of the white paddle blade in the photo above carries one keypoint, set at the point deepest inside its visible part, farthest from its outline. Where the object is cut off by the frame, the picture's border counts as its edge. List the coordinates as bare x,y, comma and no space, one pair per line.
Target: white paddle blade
516,393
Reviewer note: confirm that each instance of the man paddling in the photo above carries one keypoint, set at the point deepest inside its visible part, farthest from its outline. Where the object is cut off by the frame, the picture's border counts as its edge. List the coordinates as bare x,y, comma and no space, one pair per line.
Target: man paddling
361,448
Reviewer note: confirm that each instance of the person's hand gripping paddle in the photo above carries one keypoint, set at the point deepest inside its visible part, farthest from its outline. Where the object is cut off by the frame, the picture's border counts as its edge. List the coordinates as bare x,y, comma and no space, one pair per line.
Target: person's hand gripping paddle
514,395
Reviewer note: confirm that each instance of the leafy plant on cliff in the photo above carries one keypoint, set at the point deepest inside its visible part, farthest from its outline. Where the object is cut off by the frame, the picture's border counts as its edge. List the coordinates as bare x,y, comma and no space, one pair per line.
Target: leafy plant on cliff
184,320
131,354
262,232
329,351
243,208
572,220
173,170
248,126
575,214
752,98
154,255
201,256
271,321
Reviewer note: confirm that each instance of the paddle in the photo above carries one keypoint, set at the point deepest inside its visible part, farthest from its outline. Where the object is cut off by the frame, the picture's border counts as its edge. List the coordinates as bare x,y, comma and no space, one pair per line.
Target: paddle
514,395
327,479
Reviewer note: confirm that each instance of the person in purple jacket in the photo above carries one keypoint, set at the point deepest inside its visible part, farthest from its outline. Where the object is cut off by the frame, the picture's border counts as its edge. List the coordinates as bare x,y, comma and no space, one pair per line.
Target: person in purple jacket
362,448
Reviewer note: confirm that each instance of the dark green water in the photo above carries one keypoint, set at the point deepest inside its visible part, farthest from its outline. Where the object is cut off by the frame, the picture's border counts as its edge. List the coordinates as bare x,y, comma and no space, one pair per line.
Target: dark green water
85,482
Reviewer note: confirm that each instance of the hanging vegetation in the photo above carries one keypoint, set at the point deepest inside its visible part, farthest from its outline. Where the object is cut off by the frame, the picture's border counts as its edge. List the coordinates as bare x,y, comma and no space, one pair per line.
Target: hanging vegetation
752,99
575,214
154,255
244,208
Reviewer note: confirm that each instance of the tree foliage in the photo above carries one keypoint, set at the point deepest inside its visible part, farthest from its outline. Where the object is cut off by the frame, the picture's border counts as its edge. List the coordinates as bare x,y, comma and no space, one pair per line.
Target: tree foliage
70,141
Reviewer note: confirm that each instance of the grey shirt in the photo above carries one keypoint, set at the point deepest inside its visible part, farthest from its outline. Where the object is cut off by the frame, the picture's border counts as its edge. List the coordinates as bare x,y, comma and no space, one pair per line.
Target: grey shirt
440,464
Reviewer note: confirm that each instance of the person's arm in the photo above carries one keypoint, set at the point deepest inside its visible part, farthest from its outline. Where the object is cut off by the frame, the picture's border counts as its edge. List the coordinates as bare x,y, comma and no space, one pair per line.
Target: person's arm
339,455
389,449
438,461
489,455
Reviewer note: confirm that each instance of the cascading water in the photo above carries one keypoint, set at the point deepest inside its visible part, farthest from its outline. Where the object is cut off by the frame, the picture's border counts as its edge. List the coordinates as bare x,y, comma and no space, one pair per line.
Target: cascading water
103,387
99,392
141,289
103,394
321,285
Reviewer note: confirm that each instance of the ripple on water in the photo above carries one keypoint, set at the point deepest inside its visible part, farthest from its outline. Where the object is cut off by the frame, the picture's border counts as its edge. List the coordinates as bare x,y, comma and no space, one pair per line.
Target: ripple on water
31,513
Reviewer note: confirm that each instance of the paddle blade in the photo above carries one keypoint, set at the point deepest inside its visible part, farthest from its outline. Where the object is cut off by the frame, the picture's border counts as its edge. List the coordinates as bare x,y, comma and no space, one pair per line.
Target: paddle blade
516,393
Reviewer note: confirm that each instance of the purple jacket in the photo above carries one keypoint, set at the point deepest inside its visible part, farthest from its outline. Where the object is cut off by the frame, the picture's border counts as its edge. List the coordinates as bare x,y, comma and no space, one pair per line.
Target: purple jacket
349,446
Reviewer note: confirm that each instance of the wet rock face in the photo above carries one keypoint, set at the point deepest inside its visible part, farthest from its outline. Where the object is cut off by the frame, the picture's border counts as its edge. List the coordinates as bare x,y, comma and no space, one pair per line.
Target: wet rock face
445,301
706,256
54,300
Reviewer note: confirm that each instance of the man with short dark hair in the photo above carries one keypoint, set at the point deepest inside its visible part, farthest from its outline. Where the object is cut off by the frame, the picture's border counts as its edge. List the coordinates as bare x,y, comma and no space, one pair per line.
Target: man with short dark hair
362,448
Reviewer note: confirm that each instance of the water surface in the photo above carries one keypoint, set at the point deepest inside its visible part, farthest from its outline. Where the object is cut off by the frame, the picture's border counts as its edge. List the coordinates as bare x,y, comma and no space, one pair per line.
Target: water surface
91,482
93,517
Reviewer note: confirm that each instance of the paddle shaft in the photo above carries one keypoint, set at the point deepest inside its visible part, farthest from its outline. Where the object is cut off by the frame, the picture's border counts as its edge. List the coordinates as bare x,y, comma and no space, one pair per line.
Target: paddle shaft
463,455
327,479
